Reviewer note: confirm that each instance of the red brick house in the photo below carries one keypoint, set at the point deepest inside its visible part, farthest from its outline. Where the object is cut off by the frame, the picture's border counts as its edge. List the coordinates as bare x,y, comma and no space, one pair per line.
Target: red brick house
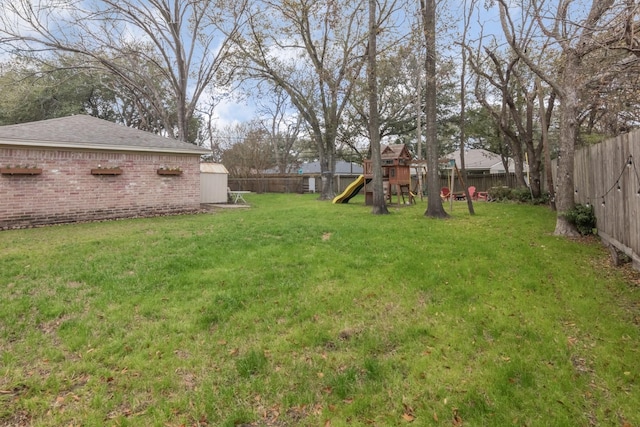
82,168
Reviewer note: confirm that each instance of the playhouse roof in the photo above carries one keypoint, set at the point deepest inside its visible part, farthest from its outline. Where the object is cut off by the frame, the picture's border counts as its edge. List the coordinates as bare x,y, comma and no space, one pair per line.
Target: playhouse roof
87,132
395,151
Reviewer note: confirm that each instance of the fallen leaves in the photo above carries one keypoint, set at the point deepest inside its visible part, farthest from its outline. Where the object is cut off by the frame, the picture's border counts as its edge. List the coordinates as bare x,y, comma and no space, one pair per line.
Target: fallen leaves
408,415
457,419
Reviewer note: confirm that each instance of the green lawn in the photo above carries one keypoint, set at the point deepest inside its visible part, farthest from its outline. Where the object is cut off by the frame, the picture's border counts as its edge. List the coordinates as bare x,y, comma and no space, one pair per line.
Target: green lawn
300,312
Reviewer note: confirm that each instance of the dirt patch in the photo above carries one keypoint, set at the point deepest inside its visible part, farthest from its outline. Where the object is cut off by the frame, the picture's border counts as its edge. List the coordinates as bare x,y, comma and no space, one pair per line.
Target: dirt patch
17,419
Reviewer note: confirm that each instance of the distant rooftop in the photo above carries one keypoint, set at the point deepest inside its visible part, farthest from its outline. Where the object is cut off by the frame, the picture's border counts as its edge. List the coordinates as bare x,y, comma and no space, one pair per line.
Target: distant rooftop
342,168
482,160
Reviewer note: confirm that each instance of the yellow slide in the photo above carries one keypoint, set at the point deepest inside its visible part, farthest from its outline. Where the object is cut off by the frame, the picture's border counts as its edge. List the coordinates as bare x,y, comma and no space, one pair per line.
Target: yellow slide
351,190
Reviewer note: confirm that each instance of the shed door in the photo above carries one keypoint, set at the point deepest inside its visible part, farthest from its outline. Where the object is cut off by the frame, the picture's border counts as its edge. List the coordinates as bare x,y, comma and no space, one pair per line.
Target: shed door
213,187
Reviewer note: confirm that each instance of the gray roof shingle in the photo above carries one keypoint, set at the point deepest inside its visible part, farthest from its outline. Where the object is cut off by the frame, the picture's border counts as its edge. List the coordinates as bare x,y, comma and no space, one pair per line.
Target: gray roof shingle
82,131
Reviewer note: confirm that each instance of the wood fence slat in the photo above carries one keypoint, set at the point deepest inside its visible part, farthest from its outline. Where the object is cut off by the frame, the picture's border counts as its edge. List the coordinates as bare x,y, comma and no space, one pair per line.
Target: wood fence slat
599,169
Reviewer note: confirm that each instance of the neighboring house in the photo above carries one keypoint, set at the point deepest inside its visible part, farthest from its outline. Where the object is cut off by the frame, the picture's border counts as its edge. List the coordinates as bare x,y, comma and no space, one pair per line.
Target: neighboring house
342,168
313,168
482,162
81,168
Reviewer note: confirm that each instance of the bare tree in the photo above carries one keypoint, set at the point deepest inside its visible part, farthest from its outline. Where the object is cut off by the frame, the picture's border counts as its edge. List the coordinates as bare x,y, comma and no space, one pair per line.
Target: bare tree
282,126
578,34
152,46
516,112
610,106
396,96
247,150
315,51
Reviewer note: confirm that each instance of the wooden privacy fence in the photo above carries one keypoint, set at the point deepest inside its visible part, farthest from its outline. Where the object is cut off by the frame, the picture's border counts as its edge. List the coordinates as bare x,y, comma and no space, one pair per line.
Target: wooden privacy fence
607,176
481,182
271,184
300,183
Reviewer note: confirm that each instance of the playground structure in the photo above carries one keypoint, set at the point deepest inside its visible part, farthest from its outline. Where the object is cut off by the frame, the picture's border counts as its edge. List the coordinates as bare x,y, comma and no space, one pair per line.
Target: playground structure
351,190
396,177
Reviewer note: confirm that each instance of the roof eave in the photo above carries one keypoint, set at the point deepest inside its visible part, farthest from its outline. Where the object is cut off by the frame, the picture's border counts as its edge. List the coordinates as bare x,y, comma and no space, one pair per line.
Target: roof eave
104,147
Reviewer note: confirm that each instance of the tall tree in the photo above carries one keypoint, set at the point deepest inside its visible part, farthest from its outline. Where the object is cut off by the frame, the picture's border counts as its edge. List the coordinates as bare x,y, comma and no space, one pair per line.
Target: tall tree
516,112
149,45
33,91
434,203
316,51
379,203
283,128
578,33
468,10
396,93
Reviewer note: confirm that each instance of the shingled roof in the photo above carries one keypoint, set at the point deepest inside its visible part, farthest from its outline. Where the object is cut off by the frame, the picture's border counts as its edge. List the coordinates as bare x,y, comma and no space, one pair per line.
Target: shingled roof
394,151
88,132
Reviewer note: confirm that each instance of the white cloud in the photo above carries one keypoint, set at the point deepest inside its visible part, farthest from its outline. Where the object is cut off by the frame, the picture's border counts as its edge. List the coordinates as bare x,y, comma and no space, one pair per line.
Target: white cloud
230,112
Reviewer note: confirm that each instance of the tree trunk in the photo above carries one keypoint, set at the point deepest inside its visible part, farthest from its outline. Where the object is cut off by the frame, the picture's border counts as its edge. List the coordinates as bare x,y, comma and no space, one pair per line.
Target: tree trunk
568,127
434,202
533,159
327,167
379,204
534,175
518,165
463,118
544,126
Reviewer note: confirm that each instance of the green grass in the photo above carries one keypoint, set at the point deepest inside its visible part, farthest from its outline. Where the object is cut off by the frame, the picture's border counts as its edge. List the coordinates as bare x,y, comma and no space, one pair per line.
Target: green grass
300,312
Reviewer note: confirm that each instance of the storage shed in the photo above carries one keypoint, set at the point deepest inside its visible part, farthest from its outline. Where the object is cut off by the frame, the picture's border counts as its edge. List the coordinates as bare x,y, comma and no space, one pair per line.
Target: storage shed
214,181
81,168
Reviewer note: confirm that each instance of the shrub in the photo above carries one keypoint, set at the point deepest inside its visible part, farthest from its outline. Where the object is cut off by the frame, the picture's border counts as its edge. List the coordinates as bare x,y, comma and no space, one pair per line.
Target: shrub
499,194
583,218
544,199
521,194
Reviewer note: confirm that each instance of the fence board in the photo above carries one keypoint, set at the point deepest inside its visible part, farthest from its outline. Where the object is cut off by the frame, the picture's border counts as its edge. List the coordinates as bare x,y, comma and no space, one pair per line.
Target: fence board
300,183
599,171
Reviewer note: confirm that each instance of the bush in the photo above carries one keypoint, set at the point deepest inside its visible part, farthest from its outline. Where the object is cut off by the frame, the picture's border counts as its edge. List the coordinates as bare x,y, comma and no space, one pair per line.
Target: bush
521,194
544,199
499,194
583,218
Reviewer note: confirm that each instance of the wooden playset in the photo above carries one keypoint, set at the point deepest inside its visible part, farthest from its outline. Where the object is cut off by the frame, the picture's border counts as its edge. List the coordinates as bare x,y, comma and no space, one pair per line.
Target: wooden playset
396,174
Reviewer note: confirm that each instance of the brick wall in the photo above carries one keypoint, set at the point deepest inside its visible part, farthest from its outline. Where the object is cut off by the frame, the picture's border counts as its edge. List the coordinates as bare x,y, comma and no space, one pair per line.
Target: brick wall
66,191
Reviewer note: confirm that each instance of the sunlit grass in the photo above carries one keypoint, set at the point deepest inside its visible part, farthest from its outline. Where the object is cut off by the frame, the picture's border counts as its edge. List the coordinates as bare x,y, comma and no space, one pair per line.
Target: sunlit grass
300,312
